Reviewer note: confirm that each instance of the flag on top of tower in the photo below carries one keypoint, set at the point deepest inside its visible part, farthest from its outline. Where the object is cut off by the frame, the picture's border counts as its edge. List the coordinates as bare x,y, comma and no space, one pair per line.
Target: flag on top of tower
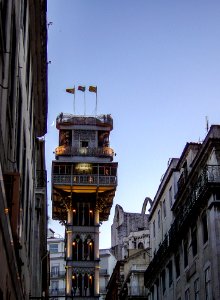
71,91
81,88
93,89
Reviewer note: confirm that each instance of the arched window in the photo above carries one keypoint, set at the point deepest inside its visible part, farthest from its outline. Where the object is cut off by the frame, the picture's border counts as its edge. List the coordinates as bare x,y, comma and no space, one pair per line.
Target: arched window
91,284
74,250
86,284
91,250
80,284
74,284
140,245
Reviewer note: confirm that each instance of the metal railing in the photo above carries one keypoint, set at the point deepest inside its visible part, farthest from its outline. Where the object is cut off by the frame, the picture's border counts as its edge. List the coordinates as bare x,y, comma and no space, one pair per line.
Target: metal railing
137,291
65,118
84,151
84,179
57,292
57,274
209,175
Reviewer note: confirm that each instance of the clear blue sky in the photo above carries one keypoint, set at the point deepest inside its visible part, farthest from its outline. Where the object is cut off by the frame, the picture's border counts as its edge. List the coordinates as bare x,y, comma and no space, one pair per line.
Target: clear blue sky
157,68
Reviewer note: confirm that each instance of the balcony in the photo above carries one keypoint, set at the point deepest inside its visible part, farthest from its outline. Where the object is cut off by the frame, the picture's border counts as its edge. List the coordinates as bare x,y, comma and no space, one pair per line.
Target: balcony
208,180
57,292
137,291
96,180
84,151
57,274
68,119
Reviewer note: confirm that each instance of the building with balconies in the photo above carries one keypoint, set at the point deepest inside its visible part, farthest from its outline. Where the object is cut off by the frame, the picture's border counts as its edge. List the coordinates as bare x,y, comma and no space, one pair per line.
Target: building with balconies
56,248
184,225
84,180
107,264
23,124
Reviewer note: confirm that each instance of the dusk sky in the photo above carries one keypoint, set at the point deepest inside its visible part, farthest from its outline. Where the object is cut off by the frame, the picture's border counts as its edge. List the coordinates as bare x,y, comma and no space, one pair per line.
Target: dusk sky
157,68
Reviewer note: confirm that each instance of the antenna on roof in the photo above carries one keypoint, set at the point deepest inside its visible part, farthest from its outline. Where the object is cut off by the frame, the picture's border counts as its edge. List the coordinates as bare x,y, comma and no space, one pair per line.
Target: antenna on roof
207,123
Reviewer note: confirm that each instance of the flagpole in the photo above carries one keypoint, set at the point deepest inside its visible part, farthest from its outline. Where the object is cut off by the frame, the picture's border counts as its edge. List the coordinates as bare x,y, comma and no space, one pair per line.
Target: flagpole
84,103
74,101
96,102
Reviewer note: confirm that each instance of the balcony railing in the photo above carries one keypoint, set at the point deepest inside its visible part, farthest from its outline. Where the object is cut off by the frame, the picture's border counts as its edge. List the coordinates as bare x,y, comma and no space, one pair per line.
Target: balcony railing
57,274
209,175
137,291
64,118
84,151
84,179
41,179
57,292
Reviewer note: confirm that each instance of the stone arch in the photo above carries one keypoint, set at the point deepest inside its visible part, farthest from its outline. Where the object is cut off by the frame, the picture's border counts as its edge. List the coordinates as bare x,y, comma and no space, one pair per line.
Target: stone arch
146,200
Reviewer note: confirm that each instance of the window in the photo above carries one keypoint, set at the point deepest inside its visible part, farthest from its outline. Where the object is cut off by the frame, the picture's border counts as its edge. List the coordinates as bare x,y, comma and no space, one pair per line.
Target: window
205,228
187,295
158,219
194,240
164,209
196,289
154,230
152,292
55,271
207,284
185,252
177,265
170,272
163,280
170,196
54,285
84,144
158,289
53,248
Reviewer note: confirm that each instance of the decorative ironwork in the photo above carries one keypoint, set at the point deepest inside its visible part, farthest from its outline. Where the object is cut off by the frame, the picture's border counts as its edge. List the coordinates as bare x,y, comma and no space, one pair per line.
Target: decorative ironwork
84,151
100,120
209,175
84,179
57,274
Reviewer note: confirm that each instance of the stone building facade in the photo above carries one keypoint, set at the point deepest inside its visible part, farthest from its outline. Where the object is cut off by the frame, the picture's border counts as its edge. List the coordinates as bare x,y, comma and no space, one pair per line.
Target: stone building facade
56,248
185,225
123,224
23,123
130,244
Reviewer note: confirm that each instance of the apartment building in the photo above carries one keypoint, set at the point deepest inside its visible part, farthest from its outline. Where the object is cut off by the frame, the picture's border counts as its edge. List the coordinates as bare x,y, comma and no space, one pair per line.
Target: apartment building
56,248
184,225
23,123
107,264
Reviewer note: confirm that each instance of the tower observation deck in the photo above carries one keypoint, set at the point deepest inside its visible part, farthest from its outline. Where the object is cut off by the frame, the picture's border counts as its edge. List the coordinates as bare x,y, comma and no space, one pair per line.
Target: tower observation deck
84,181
